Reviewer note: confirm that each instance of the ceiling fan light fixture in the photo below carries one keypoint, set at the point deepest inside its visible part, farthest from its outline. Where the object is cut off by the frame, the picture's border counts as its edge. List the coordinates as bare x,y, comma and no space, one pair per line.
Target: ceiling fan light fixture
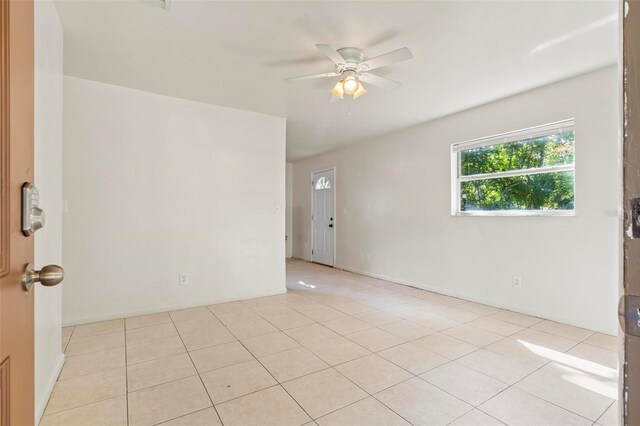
338,90
361,91
350,85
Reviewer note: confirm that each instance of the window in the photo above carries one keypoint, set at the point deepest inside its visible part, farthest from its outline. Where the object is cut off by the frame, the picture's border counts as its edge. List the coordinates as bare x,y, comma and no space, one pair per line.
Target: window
323,183
524,173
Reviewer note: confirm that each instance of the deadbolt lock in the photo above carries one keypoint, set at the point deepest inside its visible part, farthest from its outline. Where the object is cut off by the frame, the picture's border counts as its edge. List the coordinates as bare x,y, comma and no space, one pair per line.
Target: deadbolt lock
32,214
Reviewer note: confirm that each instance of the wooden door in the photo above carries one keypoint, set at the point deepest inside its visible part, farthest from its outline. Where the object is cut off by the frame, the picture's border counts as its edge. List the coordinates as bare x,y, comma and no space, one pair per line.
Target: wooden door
16,250
630,301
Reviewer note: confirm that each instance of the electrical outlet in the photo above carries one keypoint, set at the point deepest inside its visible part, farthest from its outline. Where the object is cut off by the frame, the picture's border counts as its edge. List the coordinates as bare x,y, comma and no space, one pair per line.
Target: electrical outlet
517,282
183,278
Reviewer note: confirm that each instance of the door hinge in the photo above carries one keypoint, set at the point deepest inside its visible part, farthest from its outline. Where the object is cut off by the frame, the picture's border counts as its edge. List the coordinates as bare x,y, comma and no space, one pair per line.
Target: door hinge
629,314
311,251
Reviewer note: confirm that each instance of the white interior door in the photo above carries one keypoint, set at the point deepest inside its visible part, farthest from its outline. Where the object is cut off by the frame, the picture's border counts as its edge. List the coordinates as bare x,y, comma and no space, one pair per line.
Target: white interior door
323,217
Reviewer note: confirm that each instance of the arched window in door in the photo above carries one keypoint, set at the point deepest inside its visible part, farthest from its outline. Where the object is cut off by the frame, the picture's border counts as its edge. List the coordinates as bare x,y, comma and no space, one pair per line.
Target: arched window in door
323,183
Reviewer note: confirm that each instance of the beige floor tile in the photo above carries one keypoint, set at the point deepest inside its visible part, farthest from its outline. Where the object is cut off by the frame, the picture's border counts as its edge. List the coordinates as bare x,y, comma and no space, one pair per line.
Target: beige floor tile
464,383
87,389
610,417
422,403
158,371
583,356
338,350
292,364
515,407
96,328
197,325
323,392
346,325
476,417
352,308
206,417
604,341
478,308
110,412
167,401
148,320
376,318
219,356
228,318
519,350
269,344
458,314
573,389
228,308
204,339
473,335
99,343
516,318
407,330
413,358
66,336
323,313
190,314
540,340
154,349
497,366
373,373
497,326
375,339
311,333
369,411
236,380
563,330
289,321
245,330
260,302
80,365
434,320
155,332
447,346
269,407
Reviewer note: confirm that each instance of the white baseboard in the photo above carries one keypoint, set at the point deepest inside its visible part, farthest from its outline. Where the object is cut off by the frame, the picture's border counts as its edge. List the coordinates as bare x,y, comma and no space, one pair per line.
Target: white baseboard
164,308
460,295
42,404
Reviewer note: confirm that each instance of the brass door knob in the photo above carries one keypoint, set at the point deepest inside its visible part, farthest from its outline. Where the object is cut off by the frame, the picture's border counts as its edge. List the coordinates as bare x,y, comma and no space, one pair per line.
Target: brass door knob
48,276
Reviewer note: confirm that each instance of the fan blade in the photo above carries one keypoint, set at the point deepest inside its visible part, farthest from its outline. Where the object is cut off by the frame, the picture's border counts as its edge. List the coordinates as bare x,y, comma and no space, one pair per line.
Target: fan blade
387,59
381,82
312,76
331,53
334,98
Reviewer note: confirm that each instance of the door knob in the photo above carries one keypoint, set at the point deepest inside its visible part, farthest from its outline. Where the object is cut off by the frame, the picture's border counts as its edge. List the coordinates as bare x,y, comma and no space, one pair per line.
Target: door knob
48,276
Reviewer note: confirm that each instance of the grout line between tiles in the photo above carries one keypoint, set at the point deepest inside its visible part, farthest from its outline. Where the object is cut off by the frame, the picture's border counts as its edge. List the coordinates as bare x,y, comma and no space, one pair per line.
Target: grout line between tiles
196,369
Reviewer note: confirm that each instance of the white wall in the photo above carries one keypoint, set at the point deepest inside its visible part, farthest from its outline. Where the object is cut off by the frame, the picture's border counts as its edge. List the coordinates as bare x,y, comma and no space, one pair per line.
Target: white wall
393,210
48,179
157,186
289,209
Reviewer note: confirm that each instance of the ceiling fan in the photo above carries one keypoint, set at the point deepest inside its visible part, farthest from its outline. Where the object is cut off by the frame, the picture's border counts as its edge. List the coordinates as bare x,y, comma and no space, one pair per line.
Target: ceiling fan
353,70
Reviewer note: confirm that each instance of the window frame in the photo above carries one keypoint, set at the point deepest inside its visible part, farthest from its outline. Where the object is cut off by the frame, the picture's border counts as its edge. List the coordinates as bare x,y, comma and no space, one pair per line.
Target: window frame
503,138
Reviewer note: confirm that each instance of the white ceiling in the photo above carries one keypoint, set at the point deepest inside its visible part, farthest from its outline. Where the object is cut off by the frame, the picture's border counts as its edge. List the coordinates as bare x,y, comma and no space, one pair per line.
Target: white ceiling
238,53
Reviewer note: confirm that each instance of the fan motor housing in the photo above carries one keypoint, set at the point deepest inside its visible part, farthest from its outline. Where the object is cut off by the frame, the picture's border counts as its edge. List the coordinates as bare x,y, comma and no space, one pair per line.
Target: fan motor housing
352,56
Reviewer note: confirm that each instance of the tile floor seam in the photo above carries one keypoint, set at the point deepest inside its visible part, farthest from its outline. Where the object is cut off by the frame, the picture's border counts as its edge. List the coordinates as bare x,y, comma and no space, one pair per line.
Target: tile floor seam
73,329
266,369
81,406
535,396
193,364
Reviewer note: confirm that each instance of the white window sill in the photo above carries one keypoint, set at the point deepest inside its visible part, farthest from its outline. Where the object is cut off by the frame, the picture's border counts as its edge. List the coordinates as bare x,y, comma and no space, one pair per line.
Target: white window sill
517,213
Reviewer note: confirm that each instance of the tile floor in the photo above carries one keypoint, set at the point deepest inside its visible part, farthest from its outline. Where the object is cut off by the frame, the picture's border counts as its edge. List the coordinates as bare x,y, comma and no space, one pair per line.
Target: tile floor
337,349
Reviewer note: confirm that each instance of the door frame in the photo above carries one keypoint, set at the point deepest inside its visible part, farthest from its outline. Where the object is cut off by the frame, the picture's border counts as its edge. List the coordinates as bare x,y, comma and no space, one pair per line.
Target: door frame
335,218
